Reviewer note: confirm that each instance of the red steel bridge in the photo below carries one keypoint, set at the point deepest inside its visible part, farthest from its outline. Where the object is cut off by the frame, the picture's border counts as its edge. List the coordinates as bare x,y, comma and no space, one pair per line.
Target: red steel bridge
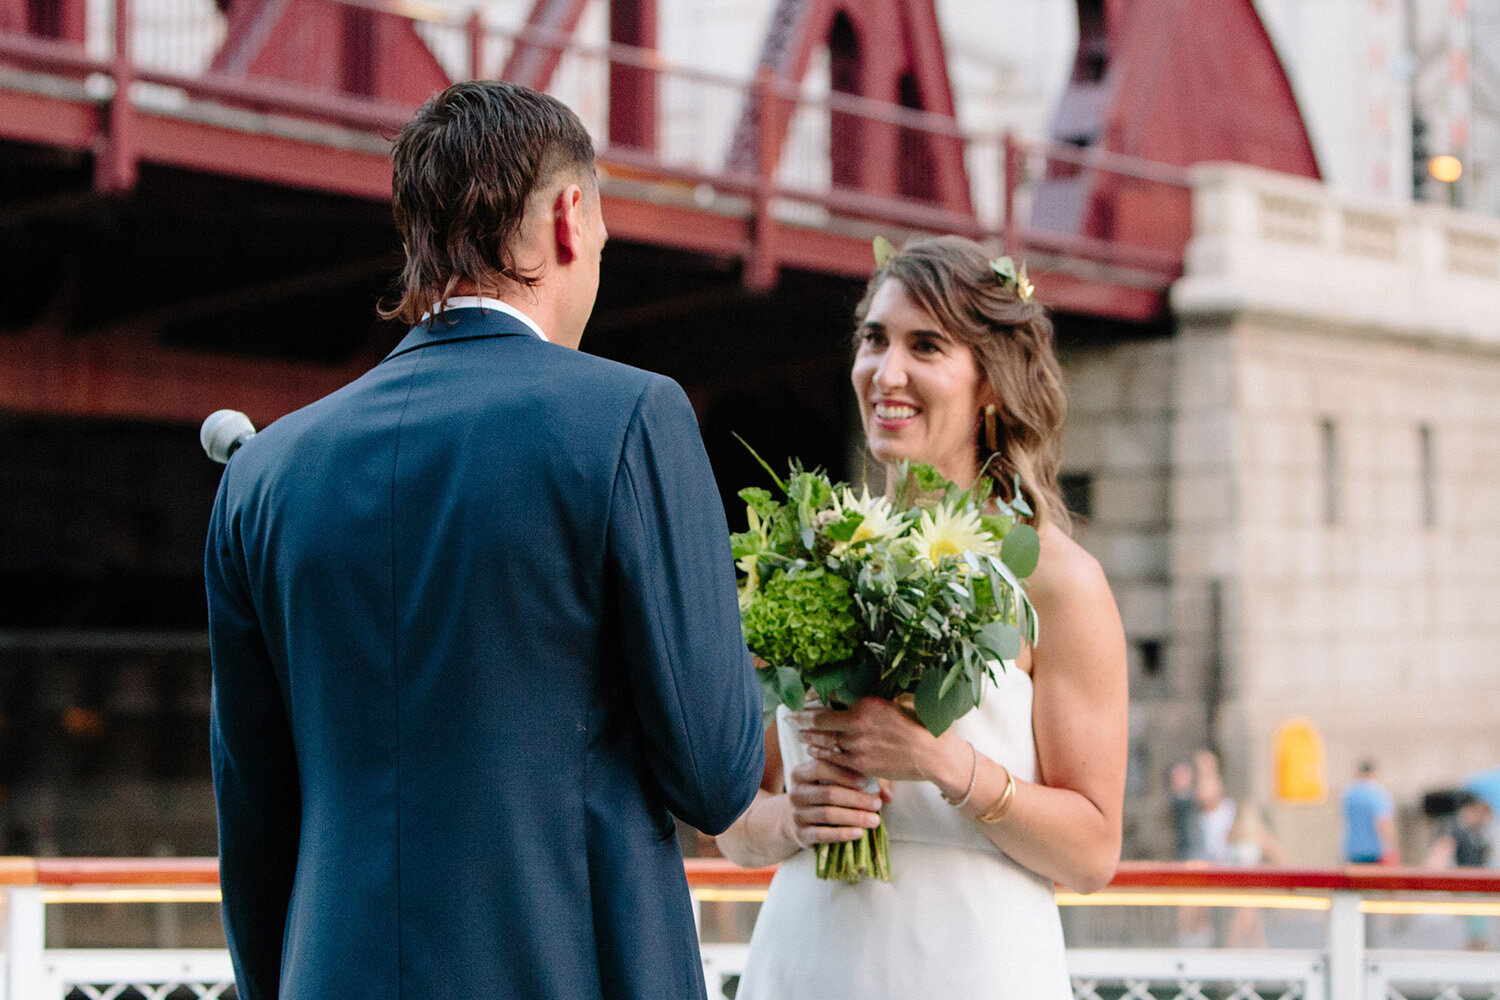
144,155
194,214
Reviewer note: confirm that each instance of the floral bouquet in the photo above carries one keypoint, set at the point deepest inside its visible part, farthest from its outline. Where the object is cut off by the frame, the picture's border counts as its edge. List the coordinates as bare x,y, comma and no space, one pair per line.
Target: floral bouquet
912,599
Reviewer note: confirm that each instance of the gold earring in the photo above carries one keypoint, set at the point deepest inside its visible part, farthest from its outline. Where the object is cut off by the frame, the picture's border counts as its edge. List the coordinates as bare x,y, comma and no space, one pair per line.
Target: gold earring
990,440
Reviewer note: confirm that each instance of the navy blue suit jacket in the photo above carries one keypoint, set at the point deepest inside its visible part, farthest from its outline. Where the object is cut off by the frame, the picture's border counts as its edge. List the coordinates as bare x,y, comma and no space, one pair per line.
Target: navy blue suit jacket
474,639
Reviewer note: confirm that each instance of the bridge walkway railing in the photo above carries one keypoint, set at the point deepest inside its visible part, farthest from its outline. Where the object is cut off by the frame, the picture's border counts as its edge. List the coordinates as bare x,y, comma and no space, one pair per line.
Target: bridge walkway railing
1159,932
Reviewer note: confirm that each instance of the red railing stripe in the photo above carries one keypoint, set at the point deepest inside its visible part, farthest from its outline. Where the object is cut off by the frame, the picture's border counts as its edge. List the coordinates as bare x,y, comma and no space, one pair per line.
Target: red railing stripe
721,872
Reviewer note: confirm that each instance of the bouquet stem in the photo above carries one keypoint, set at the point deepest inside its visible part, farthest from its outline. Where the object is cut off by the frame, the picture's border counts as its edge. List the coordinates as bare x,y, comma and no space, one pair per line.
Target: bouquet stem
852,860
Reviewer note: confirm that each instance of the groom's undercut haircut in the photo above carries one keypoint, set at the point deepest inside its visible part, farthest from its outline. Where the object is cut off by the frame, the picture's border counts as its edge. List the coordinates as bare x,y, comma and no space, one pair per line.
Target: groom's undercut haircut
464,168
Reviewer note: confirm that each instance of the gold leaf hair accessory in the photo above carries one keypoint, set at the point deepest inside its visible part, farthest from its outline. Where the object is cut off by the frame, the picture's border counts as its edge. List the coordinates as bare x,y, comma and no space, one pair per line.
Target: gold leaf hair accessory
1005,269
884,251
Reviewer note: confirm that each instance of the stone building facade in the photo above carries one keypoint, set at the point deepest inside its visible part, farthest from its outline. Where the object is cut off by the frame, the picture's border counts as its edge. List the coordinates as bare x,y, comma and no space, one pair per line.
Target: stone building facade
1297,498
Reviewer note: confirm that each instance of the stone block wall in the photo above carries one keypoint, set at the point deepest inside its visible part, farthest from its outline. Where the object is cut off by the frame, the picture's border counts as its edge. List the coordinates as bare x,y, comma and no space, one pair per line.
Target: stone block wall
1117,465
1370,518
1335,481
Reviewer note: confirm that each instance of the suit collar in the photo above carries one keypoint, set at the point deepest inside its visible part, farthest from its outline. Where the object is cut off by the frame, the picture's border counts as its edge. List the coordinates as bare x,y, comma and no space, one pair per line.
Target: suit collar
467,323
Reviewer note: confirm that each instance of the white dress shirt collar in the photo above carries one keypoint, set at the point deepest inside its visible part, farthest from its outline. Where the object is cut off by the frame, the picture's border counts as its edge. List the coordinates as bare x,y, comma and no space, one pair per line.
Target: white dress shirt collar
484,302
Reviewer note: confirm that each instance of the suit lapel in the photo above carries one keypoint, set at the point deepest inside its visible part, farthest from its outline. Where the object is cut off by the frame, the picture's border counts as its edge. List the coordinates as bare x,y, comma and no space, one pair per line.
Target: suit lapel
461,324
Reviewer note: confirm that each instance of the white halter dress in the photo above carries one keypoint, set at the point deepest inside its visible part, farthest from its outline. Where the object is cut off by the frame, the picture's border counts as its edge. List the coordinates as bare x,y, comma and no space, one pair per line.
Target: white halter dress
959,919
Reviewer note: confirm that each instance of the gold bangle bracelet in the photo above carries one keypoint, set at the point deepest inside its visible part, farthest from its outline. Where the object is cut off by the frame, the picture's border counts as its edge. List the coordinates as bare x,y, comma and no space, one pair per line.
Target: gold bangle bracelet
996,812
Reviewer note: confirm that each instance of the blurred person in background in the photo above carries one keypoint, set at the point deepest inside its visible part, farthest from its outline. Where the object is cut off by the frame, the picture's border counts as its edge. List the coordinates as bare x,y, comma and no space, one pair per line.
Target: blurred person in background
1369,820
1216,810
1464,843
1250,843
1187,833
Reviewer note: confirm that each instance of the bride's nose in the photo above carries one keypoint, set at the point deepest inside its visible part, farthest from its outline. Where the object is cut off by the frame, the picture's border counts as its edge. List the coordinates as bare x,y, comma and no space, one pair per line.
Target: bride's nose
890,374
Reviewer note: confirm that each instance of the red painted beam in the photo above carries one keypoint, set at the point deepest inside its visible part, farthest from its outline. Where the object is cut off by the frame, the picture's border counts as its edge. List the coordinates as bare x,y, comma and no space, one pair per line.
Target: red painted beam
75,123
267,158
48,121
690,229
118,377
721,872
632,89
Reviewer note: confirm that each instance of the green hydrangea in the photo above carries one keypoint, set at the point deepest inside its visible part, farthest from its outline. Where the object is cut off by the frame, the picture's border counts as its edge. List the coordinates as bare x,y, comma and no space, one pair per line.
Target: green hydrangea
801,620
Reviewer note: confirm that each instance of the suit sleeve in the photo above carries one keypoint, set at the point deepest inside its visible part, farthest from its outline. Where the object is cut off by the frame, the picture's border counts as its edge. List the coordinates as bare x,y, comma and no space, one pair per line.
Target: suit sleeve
690,675
254,768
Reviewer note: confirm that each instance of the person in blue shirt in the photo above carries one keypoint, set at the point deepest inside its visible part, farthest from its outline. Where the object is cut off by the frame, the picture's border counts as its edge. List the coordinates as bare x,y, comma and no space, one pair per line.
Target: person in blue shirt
1369,820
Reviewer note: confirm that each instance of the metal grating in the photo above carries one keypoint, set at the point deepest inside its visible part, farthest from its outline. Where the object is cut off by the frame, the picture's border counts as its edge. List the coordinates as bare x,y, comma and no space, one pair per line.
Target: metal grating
149,991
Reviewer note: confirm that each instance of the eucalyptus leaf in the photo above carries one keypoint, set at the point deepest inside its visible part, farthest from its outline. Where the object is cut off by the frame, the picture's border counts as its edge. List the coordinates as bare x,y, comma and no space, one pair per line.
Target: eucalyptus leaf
1003,641
770,698
1019,504
861,681
793,693
950,681
1021,549
938,712
831,681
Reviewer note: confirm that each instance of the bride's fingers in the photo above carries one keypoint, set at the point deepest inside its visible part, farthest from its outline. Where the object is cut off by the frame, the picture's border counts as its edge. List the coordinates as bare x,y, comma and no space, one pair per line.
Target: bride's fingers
812,796
822,833
815,740
823,771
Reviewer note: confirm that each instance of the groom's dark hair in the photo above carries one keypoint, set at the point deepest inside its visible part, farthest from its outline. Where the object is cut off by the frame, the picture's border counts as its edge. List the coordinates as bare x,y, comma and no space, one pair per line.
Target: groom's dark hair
465,167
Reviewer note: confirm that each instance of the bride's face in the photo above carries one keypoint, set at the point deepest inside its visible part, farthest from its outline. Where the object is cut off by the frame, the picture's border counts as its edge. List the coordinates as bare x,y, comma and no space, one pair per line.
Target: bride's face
920,391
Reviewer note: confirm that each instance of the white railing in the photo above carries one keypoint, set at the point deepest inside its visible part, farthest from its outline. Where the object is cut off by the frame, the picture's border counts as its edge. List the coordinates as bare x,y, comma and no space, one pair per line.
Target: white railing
1342,965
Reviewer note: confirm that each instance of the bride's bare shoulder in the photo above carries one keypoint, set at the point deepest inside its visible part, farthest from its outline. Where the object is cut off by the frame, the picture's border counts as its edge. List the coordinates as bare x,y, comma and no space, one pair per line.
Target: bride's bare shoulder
1065,571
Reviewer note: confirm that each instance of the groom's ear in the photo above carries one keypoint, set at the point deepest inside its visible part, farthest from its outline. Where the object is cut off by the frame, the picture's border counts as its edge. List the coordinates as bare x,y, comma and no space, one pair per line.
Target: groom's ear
567,223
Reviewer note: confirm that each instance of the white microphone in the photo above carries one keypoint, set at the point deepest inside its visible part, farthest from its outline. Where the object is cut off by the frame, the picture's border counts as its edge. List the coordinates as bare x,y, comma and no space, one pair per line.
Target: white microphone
223,432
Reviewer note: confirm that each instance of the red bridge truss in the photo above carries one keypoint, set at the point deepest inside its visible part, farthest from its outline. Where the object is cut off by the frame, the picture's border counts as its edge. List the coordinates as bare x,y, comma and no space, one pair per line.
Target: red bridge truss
304,93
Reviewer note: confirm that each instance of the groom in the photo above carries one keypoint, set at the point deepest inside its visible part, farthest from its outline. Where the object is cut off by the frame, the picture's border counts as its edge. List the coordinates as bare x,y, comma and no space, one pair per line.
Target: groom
473,621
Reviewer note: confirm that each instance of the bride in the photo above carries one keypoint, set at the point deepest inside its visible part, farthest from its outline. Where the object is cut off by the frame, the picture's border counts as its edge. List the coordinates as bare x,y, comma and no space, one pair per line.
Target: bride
954,367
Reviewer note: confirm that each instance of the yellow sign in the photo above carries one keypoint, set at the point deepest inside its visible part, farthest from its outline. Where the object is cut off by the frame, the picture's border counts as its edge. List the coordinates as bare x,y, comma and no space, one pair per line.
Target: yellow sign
1300,771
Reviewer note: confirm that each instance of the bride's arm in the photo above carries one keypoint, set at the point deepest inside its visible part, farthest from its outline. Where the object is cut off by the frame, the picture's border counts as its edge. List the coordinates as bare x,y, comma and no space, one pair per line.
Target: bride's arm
826,803
1066,826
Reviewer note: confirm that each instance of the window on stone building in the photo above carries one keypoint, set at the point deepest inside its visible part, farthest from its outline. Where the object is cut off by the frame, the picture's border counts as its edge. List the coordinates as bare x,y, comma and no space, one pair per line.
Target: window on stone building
1077,492
1329,442
1150,650
1427,456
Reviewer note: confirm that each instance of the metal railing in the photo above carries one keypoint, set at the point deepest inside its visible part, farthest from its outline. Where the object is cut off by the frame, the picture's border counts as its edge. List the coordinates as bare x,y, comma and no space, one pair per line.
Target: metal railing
1333,934
761,149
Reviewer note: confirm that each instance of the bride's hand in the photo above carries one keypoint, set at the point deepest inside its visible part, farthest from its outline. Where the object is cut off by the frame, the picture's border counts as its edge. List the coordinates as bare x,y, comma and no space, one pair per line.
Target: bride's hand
878,738
829,803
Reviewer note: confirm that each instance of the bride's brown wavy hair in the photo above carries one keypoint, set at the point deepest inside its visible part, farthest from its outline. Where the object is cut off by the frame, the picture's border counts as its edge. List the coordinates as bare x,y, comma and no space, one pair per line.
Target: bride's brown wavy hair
950,278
